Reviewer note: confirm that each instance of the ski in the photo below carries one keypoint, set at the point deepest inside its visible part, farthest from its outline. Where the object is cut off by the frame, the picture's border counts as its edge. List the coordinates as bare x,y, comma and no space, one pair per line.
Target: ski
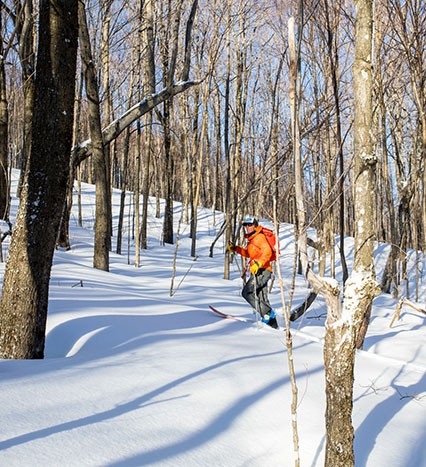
242,319
227,316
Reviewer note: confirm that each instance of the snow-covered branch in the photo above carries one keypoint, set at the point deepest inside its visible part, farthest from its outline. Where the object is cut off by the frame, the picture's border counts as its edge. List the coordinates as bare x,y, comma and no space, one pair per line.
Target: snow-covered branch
115,128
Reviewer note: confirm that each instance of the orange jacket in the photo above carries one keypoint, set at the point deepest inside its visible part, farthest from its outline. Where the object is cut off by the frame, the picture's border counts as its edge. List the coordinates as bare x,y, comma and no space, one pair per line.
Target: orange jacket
257,249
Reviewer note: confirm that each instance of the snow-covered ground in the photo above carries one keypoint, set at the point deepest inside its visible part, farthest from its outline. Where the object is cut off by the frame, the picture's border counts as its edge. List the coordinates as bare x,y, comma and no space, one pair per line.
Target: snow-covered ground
135,377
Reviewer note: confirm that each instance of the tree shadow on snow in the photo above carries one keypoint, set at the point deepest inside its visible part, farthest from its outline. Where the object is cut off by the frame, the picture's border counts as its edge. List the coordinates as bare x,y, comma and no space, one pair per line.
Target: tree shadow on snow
221,422
374,423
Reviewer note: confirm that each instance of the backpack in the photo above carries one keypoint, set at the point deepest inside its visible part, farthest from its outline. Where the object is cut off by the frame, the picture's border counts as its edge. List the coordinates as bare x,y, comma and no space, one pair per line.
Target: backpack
272,240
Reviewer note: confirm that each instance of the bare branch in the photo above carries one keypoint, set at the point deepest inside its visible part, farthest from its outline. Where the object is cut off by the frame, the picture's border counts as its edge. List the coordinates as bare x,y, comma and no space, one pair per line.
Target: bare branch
114,129
404,301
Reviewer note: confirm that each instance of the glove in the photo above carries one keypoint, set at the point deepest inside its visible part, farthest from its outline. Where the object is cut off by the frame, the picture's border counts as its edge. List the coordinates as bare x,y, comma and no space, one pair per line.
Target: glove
254,268
231,248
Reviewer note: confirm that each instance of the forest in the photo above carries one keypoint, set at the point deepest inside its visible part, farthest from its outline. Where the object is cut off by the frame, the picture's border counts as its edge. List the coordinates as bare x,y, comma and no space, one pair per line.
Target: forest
228,127
307,112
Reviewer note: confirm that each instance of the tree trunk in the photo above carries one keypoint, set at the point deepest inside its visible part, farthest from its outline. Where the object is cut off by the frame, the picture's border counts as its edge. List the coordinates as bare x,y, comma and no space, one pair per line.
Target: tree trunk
26,282
4,118
107,109
125,165
328,289
229,194
241,86
26,31
63,235
334,65
197,177
150,84
339,386
169,182
123,187
389,274
169,56
137,187
342,326
102,239
343,330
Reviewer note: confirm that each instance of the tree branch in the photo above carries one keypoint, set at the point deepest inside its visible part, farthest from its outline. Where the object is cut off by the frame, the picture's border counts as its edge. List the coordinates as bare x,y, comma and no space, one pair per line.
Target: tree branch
114,129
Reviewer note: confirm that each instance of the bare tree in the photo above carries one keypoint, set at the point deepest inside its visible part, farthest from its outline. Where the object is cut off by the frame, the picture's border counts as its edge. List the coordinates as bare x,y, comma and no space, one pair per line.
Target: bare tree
101,253
150,86
150,102
4,122
228,188
333,57
343,325
24,301
404,100
344,328
21,15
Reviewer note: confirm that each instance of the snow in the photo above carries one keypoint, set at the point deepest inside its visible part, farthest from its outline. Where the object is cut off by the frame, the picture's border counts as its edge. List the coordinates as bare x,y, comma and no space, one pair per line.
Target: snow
134,377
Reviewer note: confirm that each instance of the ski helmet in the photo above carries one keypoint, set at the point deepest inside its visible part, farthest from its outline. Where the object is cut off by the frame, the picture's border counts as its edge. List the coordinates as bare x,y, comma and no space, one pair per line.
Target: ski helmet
250,220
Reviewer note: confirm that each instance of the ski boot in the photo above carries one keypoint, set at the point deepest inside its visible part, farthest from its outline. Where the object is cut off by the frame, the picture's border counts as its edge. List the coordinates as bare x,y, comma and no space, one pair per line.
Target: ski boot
270,319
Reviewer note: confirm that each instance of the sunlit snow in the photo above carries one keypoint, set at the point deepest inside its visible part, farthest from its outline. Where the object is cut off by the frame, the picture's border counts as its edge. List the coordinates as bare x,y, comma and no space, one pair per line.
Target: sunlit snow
134,377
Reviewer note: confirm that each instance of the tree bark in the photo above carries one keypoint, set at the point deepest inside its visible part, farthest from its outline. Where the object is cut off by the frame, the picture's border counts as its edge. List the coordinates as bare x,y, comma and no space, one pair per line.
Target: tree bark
343,330
25,291
389,274
169,57
102,239
108,109
4,119
24,24
342,326
63,235
150,84
169,171
334,64
229,193
137,186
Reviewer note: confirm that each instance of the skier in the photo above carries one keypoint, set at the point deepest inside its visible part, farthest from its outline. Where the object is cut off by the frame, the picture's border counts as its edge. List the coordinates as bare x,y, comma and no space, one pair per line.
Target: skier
255,290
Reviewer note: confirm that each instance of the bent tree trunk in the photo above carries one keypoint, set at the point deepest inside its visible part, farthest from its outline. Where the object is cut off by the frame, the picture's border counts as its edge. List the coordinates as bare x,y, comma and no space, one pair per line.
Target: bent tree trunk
23,309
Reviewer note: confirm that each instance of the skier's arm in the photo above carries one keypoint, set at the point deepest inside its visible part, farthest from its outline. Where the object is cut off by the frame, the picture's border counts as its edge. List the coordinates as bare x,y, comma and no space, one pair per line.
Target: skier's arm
242,251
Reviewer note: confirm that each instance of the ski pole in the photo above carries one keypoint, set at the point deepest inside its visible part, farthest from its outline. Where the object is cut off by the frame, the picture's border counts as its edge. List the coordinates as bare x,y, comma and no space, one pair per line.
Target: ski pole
256,300
238,265
244,274
272,277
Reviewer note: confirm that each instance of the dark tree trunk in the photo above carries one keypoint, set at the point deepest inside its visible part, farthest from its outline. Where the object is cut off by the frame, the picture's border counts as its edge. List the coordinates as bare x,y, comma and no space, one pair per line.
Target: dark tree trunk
26,282
169,166
334,62
24,25
4,190
150,84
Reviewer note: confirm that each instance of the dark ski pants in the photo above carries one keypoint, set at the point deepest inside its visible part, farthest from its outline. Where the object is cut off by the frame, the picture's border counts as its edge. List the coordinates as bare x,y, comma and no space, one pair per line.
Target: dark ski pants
261,280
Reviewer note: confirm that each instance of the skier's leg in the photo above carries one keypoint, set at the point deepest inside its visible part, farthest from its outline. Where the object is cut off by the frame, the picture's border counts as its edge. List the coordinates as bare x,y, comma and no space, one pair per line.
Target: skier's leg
262,279
248,292
268,314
